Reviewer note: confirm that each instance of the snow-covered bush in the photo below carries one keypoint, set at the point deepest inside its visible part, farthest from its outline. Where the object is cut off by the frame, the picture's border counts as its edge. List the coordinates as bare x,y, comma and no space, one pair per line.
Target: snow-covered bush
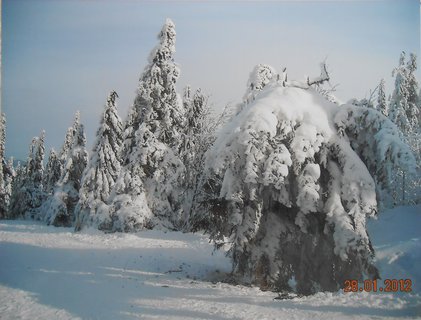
289,189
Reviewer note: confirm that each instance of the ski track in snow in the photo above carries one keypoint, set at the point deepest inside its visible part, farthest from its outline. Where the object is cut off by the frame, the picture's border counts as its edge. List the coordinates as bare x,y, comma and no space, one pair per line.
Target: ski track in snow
53,273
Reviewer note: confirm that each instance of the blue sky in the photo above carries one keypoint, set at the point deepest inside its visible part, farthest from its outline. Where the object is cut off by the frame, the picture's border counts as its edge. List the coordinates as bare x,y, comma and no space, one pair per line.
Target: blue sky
62,56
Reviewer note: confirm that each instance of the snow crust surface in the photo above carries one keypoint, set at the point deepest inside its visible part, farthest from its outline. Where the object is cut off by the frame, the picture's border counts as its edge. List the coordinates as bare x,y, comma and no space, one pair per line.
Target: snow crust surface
54,273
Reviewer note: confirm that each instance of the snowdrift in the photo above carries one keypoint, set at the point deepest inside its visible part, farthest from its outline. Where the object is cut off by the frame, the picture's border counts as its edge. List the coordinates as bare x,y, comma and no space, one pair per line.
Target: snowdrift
54,273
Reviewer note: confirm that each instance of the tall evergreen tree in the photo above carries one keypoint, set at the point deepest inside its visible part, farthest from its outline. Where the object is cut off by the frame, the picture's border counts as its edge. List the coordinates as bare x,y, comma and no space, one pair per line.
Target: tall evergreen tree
404,111
413,111
28,194
398,111
59,209
197,138
381,99
17,189
147,191
52,171
9,177
102,171
3,204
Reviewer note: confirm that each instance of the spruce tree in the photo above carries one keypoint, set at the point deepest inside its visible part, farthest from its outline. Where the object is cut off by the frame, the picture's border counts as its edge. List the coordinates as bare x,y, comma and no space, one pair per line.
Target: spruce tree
398,111
3,202
147,192
17,190
59,209
292,189
52,171
101,173
381,99
197,138
404,111
28,194
413,111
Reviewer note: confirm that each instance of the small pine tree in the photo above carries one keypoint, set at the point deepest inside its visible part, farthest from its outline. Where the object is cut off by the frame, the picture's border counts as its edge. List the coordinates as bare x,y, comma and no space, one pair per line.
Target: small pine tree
404,111
52,171
3,204
28,195
102,171
381,99
17,189
399,101
8,184
197,138
59,209
413,111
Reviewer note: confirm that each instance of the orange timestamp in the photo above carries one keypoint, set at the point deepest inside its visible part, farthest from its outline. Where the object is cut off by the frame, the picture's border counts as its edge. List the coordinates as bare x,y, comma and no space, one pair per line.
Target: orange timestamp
387,285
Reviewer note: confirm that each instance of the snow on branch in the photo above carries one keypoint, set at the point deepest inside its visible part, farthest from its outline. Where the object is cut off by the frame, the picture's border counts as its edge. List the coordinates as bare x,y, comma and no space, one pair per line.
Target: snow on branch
324,76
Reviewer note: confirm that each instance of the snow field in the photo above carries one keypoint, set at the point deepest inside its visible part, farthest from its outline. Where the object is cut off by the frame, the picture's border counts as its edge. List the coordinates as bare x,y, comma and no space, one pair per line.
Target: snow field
54,273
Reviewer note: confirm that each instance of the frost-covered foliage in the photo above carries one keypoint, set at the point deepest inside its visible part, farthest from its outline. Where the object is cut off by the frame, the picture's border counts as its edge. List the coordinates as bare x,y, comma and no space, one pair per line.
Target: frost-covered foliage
28,194
382,105
3,196
52,171
291,189
59,208
147,191
379,144
261,75
197,138
9,176
101,173
401,111
405,112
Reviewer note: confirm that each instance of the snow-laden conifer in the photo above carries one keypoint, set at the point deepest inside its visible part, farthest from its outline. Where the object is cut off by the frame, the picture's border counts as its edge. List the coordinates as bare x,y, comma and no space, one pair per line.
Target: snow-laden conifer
197,138
405,112
59,208
382,104
3,204
399,106
102,171
52,171
292,189
147,190
28,194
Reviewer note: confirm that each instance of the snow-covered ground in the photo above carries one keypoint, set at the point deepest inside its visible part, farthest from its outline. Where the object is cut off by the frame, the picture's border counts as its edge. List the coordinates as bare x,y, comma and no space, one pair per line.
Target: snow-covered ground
53,273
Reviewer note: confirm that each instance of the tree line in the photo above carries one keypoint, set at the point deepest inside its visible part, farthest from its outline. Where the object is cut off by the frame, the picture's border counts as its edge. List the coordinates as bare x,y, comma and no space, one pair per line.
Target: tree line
173,165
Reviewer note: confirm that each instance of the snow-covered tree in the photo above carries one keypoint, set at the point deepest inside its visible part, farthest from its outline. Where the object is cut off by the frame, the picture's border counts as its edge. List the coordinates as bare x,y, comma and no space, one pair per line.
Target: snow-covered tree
261,75
59,208
52,171
291,192
413,112
381,99
102,171
404,111
3,204
9,176
197,138
28,195
148,188
398,109
17,187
